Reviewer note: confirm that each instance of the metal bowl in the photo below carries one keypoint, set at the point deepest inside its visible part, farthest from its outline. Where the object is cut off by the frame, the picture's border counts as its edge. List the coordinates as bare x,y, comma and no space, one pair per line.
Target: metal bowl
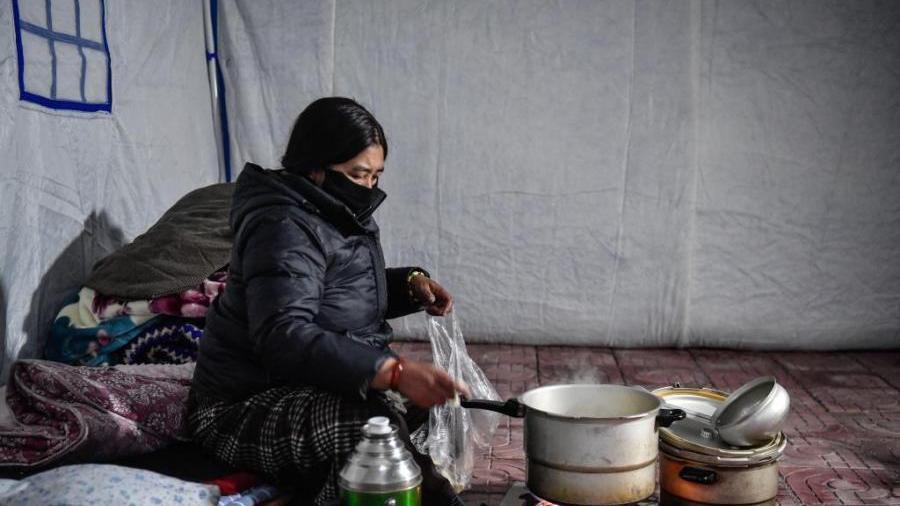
754,414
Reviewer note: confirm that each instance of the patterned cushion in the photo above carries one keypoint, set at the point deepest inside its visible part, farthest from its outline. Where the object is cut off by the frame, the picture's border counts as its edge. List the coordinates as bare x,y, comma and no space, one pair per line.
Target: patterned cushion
103,484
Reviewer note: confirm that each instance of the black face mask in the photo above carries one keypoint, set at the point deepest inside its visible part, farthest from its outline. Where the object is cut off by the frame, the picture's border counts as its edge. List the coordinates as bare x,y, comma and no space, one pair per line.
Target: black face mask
361,200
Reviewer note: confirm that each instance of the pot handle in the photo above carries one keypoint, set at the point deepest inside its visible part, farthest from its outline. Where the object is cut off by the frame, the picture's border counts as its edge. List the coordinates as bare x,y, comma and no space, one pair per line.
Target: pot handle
668,416
512,407
698,475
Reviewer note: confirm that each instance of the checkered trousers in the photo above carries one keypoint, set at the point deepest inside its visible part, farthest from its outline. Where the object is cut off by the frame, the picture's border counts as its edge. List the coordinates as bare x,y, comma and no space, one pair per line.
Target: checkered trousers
299,437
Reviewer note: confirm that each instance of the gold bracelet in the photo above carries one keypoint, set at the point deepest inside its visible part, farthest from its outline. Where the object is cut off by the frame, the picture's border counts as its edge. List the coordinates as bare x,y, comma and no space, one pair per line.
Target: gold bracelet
409,288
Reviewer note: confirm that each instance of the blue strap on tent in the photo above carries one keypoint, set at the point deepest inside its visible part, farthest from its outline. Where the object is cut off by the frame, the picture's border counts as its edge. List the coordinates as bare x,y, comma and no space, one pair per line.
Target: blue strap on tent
223,106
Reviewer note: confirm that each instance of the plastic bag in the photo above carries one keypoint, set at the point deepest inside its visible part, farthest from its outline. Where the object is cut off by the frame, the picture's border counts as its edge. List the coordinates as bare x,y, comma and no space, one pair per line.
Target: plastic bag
457,435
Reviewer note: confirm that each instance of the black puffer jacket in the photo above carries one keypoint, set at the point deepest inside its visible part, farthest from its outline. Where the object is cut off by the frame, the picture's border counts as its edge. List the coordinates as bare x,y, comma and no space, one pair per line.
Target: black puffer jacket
307,295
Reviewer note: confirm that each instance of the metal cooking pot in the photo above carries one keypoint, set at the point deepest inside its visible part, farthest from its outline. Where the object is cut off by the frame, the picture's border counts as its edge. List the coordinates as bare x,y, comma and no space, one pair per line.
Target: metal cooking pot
589,444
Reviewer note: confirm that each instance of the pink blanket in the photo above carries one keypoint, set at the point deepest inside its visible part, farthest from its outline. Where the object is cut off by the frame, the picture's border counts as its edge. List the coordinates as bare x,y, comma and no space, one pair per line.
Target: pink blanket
66,414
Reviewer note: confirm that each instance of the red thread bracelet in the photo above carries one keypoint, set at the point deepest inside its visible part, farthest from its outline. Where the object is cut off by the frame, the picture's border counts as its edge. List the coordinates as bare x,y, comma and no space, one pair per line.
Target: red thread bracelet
396,369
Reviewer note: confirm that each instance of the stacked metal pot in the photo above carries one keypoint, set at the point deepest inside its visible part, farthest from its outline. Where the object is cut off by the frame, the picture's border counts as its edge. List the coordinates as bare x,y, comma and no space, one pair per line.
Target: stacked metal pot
726,450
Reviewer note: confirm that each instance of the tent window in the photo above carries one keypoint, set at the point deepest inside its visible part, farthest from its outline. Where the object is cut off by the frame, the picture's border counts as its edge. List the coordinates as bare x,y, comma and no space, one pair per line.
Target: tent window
63,54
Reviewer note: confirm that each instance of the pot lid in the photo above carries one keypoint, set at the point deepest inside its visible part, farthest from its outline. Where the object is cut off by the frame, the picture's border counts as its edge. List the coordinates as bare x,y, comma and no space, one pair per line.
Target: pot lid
695,437
752,414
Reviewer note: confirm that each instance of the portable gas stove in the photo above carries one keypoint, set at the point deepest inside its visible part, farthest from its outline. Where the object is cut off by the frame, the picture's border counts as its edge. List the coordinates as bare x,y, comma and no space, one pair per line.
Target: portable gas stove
518,495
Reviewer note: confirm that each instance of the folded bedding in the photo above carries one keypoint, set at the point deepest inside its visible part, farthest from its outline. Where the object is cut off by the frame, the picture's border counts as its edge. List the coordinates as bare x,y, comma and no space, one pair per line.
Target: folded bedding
57,413
175,269
95,329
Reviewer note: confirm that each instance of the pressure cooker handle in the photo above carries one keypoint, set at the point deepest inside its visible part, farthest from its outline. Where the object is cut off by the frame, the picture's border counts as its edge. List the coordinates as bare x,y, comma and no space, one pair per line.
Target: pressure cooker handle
698,475
512,407
668,416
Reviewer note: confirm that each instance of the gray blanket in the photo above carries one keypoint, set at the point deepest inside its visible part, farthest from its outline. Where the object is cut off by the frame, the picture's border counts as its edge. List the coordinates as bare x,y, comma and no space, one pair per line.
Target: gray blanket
191,241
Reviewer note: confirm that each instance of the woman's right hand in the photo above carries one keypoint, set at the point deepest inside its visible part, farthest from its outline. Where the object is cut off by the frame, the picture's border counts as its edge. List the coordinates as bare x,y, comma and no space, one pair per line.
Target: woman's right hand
420,382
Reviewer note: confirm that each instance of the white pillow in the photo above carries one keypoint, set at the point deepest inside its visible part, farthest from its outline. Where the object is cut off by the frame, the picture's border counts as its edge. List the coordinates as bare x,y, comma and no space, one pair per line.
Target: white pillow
104,484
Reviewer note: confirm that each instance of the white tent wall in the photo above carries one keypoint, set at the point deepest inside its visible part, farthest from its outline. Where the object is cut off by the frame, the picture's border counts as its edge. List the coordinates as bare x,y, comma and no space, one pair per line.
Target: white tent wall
798,199
490,195
73,185
612,173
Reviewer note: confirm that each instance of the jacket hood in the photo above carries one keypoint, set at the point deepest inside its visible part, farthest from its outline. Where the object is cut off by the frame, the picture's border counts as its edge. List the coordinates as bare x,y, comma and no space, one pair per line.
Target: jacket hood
258,188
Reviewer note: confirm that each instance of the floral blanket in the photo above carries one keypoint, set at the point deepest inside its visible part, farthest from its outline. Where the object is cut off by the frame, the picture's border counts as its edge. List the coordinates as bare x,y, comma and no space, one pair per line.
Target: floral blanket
93,329
56,413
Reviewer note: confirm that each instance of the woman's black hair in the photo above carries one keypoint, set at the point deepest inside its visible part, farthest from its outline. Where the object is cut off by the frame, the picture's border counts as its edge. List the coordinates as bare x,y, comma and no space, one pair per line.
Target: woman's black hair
329,131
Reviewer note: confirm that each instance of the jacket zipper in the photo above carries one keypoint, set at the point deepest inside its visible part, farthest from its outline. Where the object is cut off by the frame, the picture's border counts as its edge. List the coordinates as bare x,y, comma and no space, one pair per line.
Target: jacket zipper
380,282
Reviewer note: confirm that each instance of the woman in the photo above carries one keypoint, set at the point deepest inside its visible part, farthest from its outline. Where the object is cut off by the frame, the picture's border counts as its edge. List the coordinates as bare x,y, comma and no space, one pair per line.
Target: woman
294,359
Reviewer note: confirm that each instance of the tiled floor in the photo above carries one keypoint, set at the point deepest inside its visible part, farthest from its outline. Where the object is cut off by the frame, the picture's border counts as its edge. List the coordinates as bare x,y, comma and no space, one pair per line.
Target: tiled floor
843,431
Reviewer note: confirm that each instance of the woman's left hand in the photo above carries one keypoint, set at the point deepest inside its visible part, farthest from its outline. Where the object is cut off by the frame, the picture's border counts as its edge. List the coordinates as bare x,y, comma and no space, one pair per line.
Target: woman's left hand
436,300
